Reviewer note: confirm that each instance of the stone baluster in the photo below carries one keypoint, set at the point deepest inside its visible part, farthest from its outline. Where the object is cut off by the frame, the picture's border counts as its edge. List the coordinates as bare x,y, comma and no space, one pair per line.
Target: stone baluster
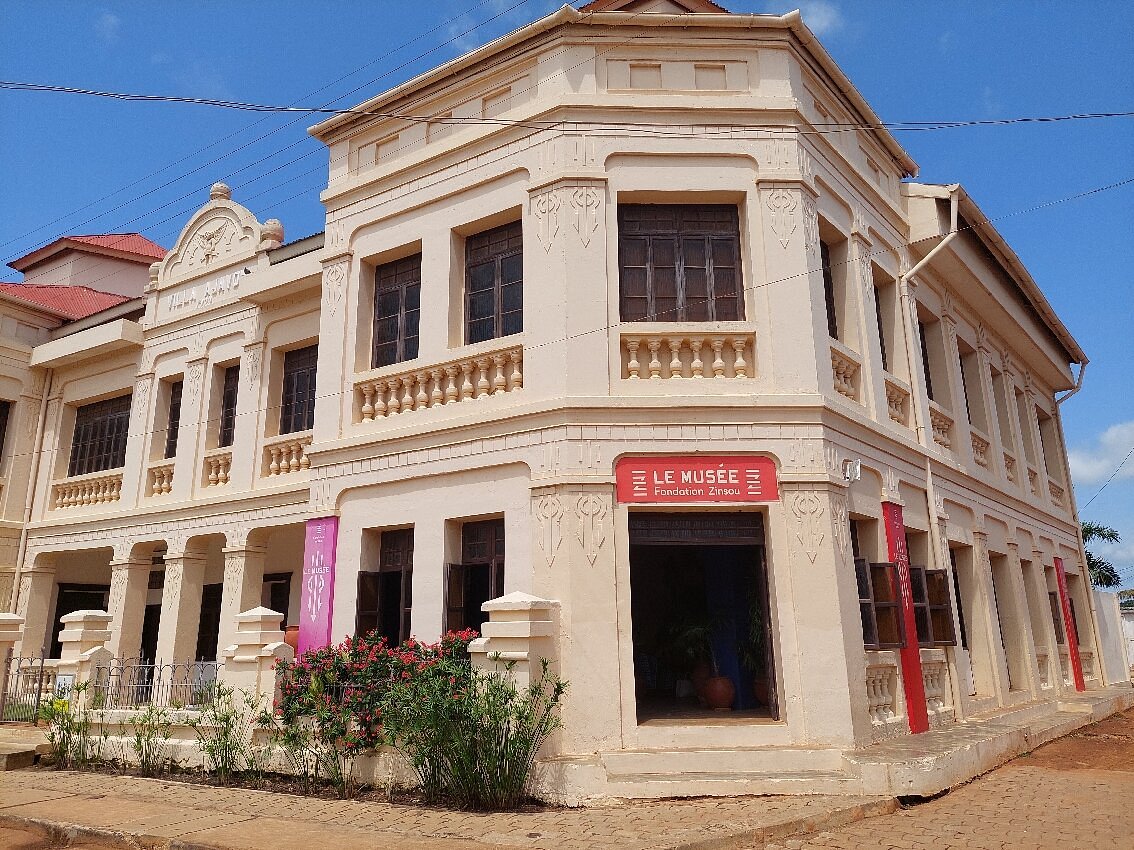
633,367
739,366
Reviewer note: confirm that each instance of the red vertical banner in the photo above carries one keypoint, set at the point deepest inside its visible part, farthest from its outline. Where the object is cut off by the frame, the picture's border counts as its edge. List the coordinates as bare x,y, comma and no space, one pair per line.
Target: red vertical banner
1069,626
910,654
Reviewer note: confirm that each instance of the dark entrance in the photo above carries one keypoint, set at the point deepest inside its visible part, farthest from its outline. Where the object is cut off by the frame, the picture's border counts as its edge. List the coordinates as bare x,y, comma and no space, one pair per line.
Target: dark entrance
208,631
699,606
72,598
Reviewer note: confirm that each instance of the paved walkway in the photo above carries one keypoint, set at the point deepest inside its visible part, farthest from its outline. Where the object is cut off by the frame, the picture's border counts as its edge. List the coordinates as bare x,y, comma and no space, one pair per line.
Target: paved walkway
201,816
1076,792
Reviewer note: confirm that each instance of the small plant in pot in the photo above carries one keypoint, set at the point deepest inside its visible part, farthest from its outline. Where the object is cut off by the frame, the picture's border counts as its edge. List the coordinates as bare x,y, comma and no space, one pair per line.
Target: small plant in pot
752,654
690,648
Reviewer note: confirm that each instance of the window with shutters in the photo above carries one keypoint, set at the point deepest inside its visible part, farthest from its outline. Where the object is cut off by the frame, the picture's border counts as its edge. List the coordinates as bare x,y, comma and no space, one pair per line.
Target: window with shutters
679,263
478,578
174,419
99,441
297,405
878,605
385,597
1056,618
829,290
933,613
229,390
494,283
397,310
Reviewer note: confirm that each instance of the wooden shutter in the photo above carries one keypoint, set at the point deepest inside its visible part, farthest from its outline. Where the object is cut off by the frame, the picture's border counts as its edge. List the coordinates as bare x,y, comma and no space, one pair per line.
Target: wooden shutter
366,611
454,597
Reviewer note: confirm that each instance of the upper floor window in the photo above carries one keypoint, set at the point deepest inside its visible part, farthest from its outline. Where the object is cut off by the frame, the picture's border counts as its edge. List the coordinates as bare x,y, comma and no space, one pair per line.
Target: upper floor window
5,412
494,283
933,614
99,442
397,310
229,390
174,420
829,290
297,405
879,605
679,263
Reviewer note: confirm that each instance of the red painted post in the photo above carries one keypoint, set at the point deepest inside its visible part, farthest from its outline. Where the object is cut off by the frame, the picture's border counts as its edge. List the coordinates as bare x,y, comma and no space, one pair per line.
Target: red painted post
910,654
1069,626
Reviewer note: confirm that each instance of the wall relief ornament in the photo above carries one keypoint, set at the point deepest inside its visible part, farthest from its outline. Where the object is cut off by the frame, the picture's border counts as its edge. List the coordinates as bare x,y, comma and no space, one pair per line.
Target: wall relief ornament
586,202
545,209
252,364
591,510
336,234
783,205
141,396
810,224
841,522
808,511
334,282
549,518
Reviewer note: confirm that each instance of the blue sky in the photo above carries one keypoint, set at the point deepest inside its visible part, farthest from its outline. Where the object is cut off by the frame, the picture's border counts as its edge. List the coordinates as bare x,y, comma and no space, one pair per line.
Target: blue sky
70,164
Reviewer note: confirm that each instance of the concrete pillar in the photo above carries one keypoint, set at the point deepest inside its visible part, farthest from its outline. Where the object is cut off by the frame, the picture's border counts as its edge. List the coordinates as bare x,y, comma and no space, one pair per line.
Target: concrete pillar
1044,635
180,607
982,572
336,356
84,657
192,430
135,470
37,585
251,402
919,397
11,630
1023,617
243,588
129,585
521,631
7,588
258,645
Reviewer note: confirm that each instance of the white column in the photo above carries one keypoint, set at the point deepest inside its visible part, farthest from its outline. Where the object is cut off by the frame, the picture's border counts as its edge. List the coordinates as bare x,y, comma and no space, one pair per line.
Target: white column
37,584
180,607
129,585
243,588
192,428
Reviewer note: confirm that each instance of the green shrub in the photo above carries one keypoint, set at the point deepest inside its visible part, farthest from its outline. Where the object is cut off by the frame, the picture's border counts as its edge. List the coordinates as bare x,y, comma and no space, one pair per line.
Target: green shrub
152,728
225,730
69,729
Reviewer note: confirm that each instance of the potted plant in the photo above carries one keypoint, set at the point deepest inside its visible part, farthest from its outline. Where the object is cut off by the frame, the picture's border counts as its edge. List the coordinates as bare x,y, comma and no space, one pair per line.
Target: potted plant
752,654
690,649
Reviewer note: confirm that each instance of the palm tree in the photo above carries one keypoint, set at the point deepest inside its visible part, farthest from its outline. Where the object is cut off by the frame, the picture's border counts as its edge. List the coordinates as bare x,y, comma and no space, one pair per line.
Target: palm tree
1103,573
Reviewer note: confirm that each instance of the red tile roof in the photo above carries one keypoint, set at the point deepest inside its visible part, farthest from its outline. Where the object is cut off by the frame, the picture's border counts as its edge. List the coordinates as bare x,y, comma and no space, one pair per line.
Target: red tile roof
131,243
67,302
122,245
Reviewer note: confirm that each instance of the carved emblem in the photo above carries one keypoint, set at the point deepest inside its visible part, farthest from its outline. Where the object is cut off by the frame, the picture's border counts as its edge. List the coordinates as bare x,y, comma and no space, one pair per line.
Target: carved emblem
208,242
252,361
333,284
586,202
591,511
336,234
549,515
808,512
545,208
810,224
842,526
141,396
783,205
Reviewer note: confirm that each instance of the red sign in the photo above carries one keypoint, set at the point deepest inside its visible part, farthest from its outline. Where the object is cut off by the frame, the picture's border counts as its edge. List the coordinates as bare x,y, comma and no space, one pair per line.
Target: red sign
1069,626
696,478
910,654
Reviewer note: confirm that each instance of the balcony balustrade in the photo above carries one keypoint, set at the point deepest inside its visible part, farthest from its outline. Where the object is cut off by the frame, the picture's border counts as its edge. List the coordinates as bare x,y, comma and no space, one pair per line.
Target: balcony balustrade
286,454
218,466
97,488
941,424
980,445
382,393
161,478
675,353
898,400
1010,467
845,369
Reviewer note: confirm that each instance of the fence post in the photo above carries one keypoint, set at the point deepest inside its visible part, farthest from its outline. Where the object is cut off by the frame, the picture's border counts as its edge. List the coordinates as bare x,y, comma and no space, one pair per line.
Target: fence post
250,663
520,631
83,640
11,629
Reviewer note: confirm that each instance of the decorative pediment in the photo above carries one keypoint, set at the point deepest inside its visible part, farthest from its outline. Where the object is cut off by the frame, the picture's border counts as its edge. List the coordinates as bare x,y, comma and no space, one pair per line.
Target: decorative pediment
221,234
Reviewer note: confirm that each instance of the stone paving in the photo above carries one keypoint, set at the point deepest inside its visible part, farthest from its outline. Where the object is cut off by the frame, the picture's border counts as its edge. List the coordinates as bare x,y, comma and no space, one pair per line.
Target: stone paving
258,820
1073,794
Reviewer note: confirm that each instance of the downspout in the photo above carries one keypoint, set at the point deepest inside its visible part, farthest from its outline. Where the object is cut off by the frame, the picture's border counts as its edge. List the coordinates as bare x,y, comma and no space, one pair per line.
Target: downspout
1078,384
904,293
33,477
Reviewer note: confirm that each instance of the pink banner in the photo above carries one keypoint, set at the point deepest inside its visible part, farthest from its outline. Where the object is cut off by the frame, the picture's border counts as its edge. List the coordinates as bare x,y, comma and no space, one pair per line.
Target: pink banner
318,592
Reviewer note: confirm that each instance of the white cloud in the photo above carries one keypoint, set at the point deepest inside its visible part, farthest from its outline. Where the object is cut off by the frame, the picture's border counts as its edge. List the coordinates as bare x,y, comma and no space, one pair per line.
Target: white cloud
107,26
1093,464
821,16
945,41
990,102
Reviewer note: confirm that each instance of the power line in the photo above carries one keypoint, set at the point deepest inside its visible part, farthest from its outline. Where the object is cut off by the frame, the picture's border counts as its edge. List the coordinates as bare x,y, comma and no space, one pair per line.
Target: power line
227,322
261,107
404,65
1112,477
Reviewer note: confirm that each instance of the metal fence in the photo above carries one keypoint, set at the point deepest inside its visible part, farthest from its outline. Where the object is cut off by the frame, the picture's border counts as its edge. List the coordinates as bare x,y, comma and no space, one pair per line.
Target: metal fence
25,682
128,683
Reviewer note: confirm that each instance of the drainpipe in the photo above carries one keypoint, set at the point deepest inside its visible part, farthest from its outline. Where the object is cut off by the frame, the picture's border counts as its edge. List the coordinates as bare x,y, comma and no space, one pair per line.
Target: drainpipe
33,477
1078,384
907,302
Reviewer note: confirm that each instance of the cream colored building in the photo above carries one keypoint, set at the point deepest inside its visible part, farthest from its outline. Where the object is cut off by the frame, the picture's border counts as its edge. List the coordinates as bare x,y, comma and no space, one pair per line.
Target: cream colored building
605,318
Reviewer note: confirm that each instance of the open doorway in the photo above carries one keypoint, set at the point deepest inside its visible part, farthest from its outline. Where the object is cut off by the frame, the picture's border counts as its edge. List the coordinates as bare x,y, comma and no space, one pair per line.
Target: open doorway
700,614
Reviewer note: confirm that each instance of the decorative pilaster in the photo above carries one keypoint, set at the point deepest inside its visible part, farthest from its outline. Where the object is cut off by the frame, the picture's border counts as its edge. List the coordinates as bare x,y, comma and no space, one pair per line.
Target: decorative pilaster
180,607
337,343
129,586
1022,615
243,587
37,584
194,407
135,472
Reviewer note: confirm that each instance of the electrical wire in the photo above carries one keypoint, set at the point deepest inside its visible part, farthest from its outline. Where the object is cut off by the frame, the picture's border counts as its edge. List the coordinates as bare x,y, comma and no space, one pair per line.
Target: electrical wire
214,328
1113,475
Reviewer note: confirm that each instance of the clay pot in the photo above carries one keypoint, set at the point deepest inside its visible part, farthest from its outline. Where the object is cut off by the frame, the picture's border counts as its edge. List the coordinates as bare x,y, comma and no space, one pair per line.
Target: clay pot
719,693
291,637
700,674
760,690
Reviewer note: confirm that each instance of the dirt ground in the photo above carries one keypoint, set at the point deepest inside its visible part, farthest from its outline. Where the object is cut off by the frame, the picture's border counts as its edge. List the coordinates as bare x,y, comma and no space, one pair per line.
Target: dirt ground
1108,745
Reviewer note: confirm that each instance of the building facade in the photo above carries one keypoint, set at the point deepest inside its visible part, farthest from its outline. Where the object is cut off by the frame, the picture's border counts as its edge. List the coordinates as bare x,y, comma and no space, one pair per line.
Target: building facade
635,318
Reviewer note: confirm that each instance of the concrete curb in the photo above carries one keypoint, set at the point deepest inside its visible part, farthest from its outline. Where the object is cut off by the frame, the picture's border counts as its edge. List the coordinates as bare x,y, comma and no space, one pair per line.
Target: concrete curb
65,833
